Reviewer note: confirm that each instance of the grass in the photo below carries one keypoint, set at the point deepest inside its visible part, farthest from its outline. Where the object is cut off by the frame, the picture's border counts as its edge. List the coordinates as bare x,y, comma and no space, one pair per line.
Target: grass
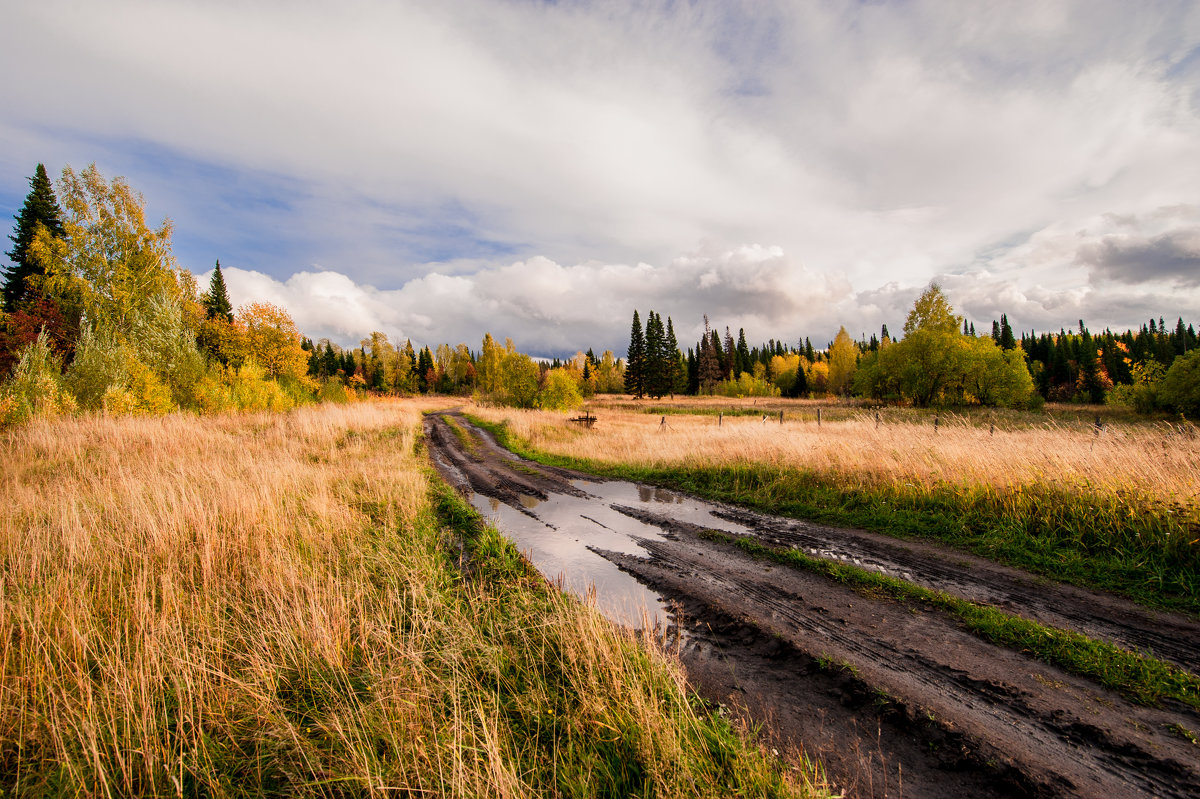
291,604
1117,510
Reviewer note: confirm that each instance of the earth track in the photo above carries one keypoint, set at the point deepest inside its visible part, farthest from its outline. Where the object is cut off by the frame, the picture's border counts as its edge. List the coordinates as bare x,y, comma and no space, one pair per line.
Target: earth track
895,700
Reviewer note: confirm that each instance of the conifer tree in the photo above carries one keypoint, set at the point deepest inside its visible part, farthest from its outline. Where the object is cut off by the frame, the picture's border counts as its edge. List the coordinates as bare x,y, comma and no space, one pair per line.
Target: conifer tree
635,360
1007,340
216,299
677,371
744,363
40,209
655,371
709,360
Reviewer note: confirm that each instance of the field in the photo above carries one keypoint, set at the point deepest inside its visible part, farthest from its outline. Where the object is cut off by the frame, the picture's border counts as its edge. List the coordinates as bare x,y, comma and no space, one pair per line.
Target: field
1115,507
293,604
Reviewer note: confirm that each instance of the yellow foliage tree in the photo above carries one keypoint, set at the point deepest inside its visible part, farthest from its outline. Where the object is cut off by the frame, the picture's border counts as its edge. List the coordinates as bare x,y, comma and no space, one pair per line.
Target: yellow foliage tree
272,340
843,358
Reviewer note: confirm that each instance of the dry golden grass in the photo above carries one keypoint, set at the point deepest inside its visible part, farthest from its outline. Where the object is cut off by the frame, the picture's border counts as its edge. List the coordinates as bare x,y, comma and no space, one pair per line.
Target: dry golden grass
1159,462
265,604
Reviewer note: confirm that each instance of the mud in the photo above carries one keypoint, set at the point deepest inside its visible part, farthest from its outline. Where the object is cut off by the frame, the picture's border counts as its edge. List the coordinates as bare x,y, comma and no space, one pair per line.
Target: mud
895,701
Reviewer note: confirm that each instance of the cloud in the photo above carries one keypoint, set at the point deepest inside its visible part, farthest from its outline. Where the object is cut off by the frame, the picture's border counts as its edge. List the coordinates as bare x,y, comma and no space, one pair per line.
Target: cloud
552,309
572,151
1160,246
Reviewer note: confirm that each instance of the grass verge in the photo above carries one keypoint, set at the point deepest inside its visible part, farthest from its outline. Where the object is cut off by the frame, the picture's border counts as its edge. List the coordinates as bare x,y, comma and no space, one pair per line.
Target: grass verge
1138,547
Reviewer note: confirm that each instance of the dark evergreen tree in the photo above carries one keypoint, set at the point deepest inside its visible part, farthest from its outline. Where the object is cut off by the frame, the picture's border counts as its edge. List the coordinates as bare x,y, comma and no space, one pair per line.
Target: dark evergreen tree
799,387
709,360
426,376
40,210
216,299
808,348
657,377
677,371
693,372
1007,340
744,362
635,359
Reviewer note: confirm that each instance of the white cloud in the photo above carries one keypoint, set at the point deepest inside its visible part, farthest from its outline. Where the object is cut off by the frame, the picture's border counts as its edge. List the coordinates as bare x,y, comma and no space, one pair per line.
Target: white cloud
457,155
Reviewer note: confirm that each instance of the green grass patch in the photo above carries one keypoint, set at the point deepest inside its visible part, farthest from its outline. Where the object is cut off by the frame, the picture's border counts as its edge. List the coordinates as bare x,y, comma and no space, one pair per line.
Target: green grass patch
1130,545
1139,677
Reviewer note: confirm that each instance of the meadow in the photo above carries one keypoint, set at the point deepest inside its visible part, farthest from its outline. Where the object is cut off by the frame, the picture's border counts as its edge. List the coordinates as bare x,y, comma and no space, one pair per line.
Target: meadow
1114,506
294,604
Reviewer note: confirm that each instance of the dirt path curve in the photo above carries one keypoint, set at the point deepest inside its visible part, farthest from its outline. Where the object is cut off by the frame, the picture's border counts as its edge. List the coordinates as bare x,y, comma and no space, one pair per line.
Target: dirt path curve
896,701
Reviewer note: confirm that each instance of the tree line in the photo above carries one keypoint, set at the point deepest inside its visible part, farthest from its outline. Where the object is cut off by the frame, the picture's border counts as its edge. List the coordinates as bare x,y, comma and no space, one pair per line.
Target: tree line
939,359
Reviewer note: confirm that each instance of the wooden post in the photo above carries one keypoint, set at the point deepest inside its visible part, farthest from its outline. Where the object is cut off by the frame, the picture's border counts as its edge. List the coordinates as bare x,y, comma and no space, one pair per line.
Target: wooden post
818,417
876,420
1098,424
936,421
992,431
781,417
720,416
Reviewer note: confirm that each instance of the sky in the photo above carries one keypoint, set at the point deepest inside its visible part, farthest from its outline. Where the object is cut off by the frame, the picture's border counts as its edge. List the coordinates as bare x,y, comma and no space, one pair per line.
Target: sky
538,170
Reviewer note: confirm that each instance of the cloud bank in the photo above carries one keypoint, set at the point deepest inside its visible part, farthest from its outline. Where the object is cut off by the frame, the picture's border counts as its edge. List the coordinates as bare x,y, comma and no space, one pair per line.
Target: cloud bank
540,169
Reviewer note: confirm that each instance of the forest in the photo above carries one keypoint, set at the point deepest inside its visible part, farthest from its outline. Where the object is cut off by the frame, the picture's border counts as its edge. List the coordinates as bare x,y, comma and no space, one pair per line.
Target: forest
97,315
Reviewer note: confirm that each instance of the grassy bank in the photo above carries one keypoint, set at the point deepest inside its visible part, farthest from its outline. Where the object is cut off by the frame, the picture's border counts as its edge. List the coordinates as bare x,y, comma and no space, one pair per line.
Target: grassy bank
1119,511
270,605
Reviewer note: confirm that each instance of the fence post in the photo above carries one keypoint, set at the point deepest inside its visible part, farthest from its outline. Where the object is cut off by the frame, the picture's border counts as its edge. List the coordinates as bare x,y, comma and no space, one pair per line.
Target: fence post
781,417
936,420
818,417
876,420
720,416
1098,424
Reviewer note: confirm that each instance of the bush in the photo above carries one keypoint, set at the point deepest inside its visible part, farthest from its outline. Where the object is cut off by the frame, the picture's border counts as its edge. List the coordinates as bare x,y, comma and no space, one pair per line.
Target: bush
35,386
1180,387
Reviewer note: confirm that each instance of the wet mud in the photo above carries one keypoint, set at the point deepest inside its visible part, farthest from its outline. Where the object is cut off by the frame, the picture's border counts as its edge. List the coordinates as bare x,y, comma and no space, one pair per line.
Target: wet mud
894,700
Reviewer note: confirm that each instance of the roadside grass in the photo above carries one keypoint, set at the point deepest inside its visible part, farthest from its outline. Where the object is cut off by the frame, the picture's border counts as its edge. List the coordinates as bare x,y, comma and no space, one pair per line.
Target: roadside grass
292,604
1117,510
1140,678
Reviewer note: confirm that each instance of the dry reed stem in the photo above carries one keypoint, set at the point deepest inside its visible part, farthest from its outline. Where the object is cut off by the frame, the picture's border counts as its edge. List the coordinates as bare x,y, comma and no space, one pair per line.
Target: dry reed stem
213,604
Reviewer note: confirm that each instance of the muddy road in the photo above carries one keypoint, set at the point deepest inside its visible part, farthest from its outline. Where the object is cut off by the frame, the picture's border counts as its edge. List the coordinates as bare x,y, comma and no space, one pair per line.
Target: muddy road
894,700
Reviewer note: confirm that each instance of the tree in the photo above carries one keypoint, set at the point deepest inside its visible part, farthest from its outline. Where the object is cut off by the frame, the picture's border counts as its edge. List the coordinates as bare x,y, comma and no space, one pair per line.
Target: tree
560,392
843,357
658,363
40,211
635,360
216,299
709,364
272,340
1180,386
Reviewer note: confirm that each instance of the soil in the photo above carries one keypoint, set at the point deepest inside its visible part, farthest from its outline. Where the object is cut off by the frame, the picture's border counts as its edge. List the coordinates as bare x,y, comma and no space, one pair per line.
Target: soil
894,700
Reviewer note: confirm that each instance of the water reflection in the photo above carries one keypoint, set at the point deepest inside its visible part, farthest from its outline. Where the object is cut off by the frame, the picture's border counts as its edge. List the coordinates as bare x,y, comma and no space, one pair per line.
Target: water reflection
560,533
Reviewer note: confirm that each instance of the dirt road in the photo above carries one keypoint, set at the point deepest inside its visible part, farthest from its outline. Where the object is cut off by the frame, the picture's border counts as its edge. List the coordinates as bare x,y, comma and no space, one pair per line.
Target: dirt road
895,700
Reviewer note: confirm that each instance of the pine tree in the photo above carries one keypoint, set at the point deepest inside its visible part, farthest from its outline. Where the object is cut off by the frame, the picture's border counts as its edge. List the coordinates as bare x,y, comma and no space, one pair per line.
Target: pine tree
655,371
709,360
1007,340
216,299
635,360
677,367
744,364
40,209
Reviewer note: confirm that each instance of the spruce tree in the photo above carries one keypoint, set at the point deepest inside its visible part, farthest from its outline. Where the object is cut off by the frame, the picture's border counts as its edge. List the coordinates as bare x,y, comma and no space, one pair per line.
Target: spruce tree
1007,340
655,369
709,361
216,299
677,370
40,209
635,359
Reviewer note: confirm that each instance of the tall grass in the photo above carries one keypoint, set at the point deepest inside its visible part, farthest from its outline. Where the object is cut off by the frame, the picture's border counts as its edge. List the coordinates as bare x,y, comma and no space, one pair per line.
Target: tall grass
1117,508
264,605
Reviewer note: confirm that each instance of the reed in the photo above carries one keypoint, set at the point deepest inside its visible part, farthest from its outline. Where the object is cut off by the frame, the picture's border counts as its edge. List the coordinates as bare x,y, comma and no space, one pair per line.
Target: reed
272,604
